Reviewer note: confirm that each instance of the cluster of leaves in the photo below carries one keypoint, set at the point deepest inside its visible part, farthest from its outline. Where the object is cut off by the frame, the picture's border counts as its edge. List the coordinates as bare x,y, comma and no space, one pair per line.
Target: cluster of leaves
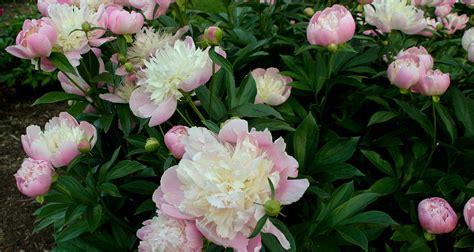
370,153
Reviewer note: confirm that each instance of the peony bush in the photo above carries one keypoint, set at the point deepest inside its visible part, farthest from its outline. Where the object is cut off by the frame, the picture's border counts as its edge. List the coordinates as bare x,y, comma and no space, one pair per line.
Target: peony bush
253,125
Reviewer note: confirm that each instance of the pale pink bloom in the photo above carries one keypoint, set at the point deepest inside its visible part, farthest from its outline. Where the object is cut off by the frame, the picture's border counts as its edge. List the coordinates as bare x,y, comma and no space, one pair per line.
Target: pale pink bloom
220,178
44,4
167,234
173,140
67,21
430,3
181,67
120,93
436,216
469,214
388,15
34,177
123,22
454,22
468,3
148,6
433,83
442,10
58,142
431,26
36,39
272,87
420,52
405,72
334,25
468,43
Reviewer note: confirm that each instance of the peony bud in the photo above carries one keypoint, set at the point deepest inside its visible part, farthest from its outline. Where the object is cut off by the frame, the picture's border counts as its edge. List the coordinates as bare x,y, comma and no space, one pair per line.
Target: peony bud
173,140
433,83
129,67
84,146
334,25
86,26
309,11
152,144
332,48
213,35
272,87
469,214
421,53
436,216
272,207
122,59
123,22
34,177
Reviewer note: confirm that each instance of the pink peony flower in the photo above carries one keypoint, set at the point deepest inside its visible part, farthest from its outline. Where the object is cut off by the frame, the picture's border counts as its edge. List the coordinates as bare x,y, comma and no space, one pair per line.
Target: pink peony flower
272,87
58,142
173,140
406,71
469,214
431,26
443,10
164,233
436,216
394,15
44,4
433,83
123,22
334,25
34,177
36,39
454,22
220,179
468,3
120,93
181,67
148,6
468,43
420,52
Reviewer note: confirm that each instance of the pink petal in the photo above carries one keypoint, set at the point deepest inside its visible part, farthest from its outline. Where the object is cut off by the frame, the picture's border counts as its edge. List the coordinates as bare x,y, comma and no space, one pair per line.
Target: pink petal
163,112
232,130
290,191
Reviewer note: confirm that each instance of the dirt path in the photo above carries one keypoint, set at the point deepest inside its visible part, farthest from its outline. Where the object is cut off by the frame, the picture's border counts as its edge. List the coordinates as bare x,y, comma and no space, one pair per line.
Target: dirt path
16,220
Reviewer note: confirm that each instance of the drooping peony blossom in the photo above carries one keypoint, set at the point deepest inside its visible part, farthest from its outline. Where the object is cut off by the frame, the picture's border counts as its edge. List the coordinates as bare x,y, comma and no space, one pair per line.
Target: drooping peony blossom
436,216
58,142
181,67
272,87
468,43
220,179
432,25
166,234
34,177
388,15
120,21
406,71
173,140
425,58
334,25
120,93
454,22
36,39
468,213
433,83
67,21
148,7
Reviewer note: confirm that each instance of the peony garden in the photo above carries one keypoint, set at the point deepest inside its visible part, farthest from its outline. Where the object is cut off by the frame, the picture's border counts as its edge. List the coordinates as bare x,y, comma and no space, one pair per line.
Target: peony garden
269,125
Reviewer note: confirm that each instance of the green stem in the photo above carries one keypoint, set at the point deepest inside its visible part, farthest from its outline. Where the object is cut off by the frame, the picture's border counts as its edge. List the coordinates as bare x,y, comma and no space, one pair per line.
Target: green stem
435,245
196,110
190,124
434,125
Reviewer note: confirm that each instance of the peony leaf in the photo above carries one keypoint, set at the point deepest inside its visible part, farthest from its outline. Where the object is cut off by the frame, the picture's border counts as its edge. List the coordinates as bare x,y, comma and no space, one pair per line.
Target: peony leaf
259,226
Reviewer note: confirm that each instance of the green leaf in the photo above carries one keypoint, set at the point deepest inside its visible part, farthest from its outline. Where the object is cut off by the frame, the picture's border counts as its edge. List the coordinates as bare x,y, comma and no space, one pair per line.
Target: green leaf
336,151
124,168
147,206
254,110
89,66
221,61
72,231
73,187
140,187
57,96
370,217
303,145
110,189
332,172
351,207
465,242
447,120
212,104
378,162
463,110
105,167
418,116
211,126
270,124
125,118
60,61
386,185
381,116
122,45
259,226
247,91
94,214
354,236
106,121
282,227
272,188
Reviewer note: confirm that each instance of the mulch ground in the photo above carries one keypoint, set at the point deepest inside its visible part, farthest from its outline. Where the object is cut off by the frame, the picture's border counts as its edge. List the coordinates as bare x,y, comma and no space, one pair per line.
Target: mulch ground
16,220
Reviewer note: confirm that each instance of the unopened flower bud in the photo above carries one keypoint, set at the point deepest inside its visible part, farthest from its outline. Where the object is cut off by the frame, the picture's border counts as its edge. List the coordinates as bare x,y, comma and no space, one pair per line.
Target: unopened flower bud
86,26
152,144
84,146
213,35
332,48
272,207
122,59
385,43
309,11
129,67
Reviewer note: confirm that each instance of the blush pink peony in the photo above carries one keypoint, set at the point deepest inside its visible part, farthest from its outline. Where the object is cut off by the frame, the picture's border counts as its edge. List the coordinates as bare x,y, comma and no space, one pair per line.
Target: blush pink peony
120,21
272,87
468,213
221,178
34,177
436,216
173,140
406,72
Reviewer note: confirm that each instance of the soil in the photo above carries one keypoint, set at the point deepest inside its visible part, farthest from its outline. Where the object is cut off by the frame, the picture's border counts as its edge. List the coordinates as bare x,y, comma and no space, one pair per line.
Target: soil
16,219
